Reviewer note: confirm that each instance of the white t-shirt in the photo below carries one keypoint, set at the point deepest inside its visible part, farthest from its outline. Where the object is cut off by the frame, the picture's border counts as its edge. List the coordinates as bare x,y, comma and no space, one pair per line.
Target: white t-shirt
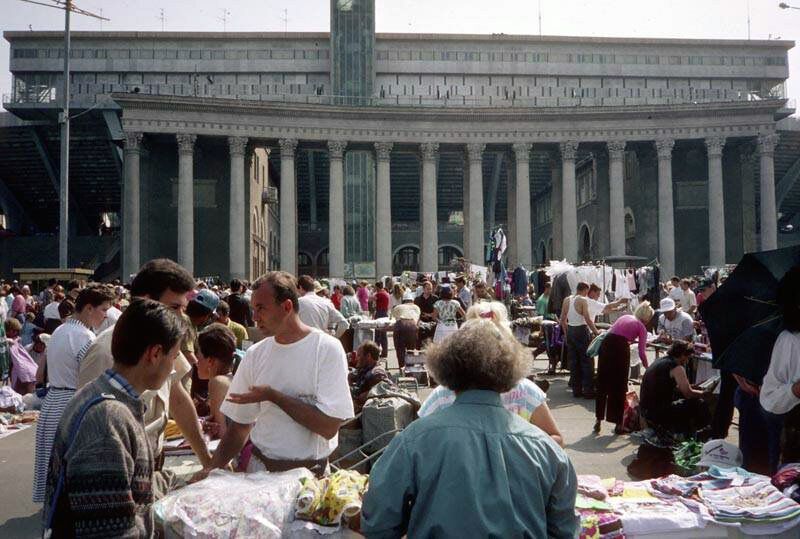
688,299
682,327
313,370
65,350
112,315
523,399
318,312
676,293
51,311
784,370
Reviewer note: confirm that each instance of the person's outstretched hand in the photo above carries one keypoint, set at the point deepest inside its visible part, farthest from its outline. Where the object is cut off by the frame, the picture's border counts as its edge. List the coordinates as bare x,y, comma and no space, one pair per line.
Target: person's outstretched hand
256,394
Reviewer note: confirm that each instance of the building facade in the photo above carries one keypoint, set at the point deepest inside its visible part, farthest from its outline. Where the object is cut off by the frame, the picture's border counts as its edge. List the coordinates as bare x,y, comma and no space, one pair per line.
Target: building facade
363,154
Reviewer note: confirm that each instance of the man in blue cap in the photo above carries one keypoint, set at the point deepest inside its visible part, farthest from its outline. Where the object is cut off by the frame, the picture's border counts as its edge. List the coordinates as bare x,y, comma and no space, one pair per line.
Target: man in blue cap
201,310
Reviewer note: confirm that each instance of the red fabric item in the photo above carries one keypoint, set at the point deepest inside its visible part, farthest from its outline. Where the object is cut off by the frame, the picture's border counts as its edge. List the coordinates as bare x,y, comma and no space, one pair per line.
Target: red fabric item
336,298
382,299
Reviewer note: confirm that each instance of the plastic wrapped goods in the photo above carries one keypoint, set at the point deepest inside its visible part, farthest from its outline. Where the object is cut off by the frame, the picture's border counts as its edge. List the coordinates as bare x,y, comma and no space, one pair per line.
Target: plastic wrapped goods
325,501
227,504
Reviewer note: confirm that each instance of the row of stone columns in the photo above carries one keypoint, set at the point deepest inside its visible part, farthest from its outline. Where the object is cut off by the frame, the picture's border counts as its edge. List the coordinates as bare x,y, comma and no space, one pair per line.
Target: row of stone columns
519,208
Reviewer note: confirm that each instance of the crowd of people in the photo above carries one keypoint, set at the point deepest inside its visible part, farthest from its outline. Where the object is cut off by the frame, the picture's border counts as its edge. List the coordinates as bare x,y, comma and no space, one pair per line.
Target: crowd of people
269,369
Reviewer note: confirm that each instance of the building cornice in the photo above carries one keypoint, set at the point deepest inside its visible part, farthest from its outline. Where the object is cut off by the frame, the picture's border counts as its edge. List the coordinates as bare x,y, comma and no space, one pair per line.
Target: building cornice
479,38
322,123
436,114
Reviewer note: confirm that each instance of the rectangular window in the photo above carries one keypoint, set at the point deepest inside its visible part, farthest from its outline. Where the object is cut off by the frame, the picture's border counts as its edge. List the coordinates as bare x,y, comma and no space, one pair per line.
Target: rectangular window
651,59
737,60
452,56
144,54
675,60
775,61
696,60
426,55
382,55
195,54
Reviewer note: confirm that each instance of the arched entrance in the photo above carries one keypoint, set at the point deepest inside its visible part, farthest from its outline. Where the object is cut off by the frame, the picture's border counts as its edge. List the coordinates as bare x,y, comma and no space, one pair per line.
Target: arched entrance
406,258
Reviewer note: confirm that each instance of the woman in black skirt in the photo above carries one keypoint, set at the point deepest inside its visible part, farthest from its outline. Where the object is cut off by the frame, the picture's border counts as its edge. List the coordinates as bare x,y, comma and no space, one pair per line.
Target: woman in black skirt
613,364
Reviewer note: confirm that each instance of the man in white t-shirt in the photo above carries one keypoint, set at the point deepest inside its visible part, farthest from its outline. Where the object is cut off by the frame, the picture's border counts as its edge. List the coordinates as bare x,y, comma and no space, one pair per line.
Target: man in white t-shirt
316,311
674,324
675,291
290,393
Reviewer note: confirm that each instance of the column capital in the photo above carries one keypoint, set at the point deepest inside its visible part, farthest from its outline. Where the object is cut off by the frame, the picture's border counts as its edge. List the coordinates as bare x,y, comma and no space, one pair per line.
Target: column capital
383,150
185,142
288,146
616,149
767,143
664,147
336,149
714,146
569,149
522,150
237,145
475,151
133,141
430,150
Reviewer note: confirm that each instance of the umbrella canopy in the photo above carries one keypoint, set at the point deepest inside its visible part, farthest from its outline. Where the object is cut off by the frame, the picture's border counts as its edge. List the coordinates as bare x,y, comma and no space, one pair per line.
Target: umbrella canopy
742,316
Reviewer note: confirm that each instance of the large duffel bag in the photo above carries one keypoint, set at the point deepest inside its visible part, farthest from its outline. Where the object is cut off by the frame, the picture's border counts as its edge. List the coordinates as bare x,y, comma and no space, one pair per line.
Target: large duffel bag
387,409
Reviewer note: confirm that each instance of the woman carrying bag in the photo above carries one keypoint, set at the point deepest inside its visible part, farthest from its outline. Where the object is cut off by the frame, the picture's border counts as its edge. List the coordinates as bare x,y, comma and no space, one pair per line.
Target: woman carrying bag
613,365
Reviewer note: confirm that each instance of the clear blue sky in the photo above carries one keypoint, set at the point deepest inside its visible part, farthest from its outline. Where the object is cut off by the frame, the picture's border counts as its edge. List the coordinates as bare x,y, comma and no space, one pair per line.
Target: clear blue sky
619,18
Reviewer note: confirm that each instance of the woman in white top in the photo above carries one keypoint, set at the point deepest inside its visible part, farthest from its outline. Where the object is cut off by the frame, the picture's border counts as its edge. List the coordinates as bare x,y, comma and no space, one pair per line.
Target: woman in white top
396,297
65,350
445,312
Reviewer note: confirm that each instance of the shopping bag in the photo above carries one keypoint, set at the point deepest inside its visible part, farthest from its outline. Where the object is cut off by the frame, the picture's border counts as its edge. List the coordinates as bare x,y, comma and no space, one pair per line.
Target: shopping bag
594,346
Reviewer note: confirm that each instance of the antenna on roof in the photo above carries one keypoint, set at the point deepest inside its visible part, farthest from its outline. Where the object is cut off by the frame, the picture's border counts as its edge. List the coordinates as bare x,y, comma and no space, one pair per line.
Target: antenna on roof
748,20
540,18
285,20
224,19
162,18
63,223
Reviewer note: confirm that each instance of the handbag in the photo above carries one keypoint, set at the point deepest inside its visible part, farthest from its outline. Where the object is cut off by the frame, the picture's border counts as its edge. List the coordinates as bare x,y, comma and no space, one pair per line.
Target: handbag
594,346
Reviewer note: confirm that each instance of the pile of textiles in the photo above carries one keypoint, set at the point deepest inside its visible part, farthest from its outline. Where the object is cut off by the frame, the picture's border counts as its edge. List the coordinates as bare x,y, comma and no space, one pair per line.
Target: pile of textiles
533,323
787,480
720,497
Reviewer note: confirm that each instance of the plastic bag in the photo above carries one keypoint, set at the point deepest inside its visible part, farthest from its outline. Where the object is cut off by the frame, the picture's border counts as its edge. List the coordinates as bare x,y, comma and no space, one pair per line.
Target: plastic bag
325,501
631,420
230,504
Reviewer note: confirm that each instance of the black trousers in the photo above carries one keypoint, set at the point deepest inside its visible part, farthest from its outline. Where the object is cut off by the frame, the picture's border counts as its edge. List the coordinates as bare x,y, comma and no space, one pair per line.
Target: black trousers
613,367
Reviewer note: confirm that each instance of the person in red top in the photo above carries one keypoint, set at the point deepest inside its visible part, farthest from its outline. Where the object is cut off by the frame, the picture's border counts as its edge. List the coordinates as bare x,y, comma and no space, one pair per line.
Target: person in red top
382,300
336,297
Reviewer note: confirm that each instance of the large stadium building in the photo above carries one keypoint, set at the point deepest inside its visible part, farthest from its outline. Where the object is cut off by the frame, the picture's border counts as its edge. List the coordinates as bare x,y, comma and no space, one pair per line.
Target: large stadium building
352,153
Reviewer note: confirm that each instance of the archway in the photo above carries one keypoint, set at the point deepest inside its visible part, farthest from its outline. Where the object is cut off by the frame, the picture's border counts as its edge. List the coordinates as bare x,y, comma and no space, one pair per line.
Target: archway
585,237
322,263
305,265
446,255
406,258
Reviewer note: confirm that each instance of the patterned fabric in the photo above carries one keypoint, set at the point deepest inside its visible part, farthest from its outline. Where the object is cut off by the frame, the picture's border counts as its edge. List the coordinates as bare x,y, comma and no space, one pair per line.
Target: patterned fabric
53,407
522,400
448,309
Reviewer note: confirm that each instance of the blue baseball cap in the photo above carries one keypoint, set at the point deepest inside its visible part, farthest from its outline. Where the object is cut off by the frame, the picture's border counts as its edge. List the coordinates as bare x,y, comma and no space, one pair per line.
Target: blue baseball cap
207,299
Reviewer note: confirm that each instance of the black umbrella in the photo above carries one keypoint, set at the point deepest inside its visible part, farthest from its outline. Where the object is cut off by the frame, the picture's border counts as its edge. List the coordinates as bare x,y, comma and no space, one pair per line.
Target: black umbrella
742,316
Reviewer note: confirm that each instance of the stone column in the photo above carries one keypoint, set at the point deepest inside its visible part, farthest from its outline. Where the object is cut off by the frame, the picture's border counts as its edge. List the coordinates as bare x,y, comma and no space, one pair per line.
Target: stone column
475,242
556,220
749,243
429,233
511,254
716,202
288,206
336,227
238,211
186,201
666,210
522,154
131,212
769,209
383,210
616,192
569,205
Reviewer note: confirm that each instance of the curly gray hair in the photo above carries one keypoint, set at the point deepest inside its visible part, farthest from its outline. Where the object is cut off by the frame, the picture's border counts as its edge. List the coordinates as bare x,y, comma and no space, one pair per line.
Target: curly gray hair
478,356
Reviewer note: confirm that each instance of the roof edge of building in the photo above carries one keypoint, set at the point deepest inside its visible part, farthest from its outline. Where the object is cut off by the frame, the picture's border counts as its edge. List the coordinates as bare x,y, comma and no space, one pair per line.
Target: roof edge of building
517,38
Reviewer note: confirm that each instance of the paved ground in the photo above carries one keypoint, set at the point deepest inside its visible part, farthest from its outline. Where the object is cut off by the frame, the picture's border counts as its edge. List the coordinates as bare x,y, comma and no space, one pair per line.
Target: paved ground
604,454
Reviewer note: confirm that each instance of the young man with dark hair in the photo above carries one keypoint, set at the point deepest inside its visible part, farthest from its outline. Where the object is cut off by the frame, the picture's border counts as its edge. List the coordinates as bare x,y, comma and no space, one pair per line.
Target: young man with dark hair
241,313
168,283
316,311
368,373
290,394
223,317
101,479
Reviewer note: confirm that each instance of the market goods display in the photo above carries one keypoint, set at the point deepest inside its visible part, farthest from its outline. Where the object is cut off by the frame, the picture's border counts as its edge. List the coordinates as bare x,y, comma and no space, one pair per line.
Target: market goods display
228,504
328,500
